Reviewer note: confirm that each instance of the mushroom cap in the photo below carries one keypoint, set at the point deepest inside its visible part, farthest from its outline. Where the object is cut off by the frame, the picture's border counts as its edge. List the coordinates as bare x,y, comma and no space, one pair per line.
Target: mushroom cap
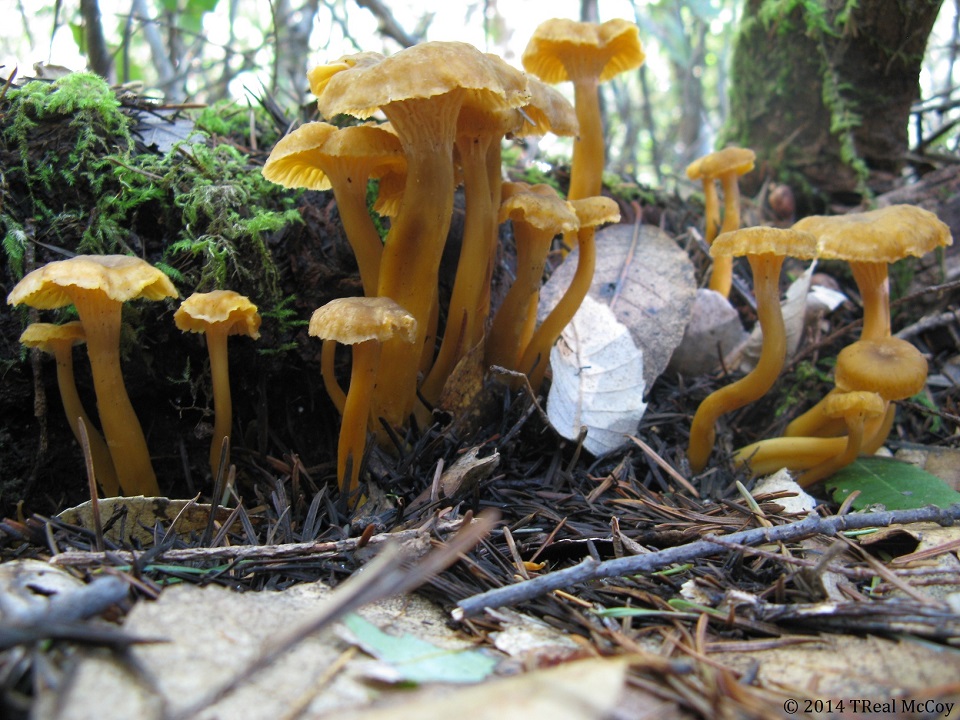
764,240
43,335
854,403
226,308
549,110
119,277
355,320
730,159
303,158
539,206
889,366
562,49
295,160
884,235
597,210
360,84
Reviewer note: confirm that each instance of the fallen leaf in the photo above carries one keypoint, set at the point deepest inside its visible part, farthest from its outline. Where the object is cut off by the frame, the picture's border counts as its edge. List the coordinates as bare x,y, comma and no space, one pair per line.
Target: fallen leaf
894,484
582,690
597,380
844,667
648,280
140,515
411,659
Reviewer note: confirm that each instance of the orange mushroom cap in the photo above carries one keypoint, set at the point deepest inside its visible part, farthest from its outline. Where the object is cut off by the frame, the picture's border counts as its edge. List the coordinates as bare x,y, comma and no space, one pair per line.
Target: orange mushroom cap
232,311
562,49
98,285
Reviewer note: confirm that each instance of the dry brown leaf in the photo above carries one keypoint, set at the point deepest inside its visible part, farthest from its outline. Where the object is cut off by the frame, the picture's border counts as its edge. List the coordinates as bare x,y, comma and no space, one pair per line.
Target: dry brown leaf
651,284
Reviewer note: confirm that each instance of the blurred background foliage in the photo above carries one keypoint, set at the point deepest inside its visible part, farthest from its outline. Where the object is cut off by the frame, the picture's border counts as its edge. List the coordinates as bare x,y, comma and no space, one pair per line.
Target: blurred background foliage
659,118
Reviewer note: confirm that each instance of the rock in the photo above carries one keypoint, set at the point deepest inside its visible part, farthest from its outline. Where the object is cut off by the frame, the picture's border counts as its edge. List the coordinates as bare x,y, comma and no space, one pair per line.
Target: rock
714,332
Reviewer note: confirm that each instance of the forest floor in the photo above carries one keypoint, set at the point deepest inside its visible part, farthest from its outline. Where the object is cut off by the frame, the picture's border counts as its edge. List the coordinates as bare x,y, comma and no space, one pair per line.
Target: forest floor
837,624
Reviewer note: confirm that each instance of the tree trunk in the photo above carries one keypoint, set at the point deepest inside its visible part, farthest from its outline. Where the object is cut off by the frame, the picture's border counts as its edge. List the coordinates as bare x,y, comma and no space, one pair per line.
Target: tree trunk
823,92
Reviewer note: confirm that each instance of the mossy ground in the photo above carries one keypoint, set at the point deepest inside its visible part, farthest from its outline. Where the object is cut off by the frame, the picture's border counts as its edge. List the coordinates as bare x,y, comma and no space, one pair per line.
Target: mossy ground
79,178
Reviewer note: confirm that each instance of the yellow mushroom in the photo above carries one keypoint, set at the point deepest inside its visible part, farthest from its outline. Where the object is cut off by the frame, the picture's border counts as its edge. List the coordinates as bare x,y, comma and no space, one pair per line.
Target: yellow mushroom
366,324
727,166
765,249
219,314
58,340
421,91
890,367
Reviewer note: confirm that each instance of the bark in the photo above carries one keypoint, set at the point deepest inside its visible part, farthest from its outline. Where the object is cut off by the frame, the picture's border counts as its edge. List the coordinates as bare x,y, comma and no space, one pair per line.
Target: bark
822,92
98,54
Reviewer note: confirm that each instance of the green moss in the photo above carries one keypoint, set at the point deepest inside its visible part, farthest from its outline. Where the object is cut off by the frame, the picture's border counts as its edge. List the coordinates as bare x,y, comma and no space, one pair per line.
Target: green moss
760,92
204,213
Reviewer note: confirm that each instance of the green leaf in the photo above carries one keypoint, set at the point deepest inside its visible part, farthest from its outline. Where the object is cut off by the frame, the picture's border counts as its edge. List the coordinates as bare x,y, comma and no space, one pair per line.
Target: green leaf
418,661
894,484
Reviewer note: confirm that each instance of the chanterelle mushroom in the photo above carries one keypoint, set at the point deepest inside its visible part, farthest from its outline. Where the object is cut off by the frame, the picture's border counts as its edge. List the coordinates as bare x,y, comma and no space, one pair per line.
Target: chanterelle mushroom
98,285
219,314
421,91
365,323
765,249
59,340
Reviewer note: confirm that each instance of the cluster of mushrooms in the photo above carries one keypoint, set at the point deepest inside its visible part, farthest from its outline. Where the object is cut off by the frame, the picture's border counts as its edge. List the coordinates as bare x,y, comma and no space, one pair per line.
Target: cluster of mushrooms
871,374
441,111
97,286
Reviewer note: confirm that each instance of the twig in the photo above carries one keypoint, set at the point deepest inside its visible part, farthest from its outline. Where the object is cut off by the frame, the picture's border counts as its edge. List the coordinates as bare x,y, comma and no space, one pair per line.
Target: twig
592,570
81,558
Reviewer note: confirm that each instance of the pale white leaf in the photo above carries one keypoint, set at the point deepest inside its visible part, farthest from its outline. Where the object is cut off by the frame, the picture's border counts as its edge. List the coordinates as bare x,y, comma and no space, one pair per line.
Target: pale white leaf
597,379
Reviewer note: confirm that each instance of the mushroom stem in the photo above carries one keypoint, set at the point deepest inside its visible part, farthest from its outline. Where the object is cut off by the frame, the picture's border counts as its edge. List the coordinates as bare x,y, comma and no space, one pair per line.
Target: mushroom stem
711,211
411,253
874,285
815,422
124,436
73,408
829,466
586,170
222,403
356,413
534,359
361,232
328,372
470,280
802,453
766,275
516,315
721,276
794,453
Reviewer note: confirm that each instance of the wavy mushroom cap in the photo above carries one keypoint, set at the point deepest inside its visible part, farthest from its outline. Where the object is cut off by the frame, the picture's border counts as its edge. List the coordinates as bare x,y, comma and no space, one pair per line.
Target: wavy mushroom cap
44,335
119,277
562,50
730,159
548,111
763,240
355,320
889,366
225,308
884,235
597,210
303,158
539,206
360,84
854,403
